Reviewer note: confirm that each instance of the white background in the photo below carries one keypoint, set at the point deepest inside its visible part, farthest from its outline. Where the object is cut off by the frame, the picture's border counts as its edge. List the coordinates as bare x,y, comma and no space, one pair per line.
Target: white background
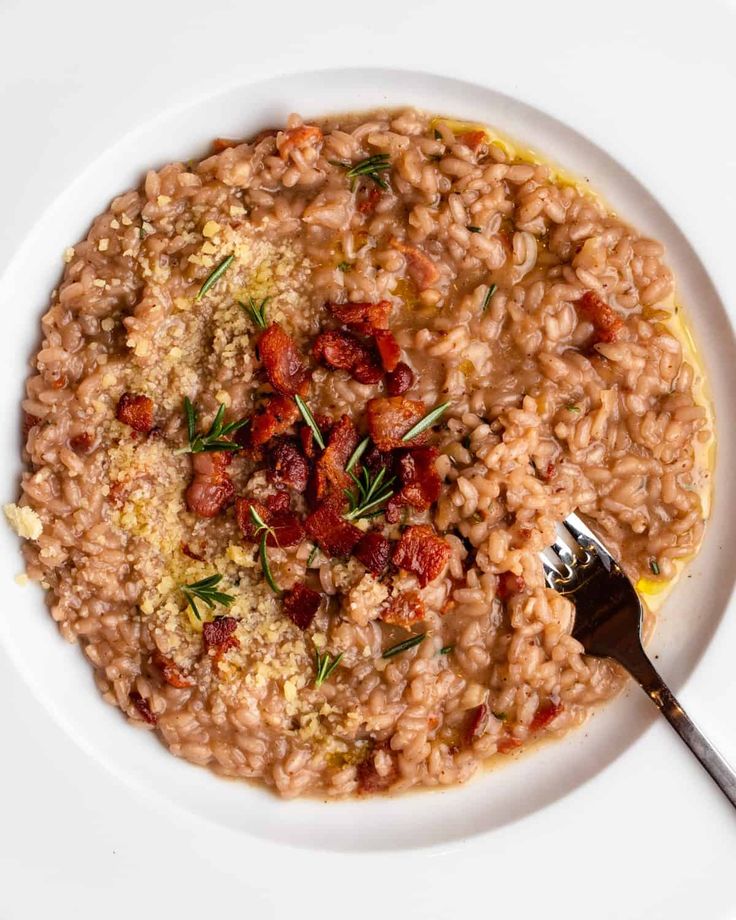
652,83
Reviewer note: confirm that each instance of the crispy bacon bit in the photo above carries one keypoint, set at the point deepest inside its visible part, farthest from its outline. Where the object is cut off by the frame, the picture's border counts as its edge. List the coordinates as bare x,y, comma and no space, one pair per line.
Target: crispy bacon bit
477,723
343,351
509,584
330,531
404,610
367,198
363,317
303,136
306,438
390,418
288,464
421,268
606,322
217,634
508,744
421,485
144,710
287,529
342,442
286,371
301,605
188,551
273,418
399,380
544,715
29,421
222,143
170,671
136,411
422,552
388,349
472,139
374,551
211,488
81,443
373,459
58,383
369,779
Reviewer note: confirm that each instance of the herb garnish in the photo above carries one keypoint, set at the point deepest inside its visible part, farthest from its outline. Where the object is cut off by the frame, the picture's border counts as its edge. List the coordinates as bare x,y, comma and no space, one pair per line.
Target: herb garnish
446,649
371,491
214,276
429,419
501,716
265,531
654,566
487,299
357,454
313,553
372,167
309,419
403,646
344,266
214,438
204,590
473,229
324,665
257,310
437,135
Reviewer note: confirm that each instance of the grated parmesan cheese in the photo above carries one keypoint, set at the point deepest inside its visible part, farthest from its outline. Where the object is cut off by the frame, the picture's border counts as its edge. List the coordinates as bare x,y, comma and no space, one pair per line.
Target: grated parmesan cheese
24,521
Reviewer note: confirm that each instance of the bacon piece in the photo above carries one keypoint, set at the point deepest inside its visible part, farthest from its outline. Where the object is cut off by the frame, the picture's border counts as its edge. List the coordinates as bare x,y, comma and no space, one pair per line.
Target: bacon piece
29,421
188,551
303,136
81,443
374,551
170,671
301,605
399,380
273,418
288,464
136,411
287,529
367,198
286,371
277,501
217,634
369,779
390,418
422,552
330,531
509,584
343,351
606,322
342,442
211,488
373,459
477,723
421,268
544,715
421,484
306,438
472,139
144,710
388,349
368,372
404,610
508,744
363,317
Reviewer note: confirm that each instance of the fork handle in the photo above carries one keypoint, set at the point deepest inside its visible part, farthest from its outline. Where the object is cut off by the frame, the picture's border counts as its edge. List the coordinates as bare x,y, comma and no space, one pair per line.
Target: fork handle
642,669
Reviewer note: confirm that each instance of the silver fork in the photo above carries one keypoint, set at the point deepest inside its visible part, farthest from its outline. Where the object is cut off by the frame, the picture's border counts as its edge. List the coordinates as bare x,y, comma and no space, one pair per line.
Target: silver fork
608,624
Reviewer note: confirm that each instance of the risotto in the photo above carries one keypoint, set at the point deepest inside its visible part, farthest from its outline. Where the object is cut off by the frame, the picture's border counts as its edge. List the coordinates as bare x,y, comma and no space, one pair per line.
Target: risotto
303,416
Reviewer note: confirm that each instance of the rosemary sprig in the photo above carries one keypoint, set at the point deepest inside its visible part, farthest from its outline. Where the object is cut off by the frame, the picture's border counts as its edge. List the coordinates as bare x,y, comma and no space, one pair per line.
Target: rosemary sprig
473,229
324,666
204,590
372,167
403,646
257,310
370,493
571,407
344,266
309,419
446,649
654,566
487,299
214,276
313,553
215,437
265,531
357,454
429,419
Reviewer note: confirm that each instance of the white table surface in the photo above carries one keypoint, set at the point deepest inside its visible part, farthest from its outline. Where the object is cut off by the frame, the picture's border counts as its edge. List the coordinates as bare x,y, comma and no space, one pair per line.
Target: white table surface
660,77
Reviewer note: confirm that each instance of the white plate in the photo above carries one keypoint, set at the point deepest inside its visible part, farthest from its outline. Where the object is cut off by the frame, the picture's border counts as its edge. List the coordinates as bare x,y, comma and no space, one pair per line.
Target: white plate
526,783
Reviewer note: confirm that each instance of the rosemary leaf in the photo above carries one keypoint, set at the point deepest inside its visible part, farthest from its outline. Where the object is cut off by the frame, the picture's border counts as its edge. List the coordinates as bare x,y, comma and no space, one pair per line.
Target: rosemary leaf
215,438
214,276
204,590
311,557
309,419
357,454
344,266
487,299
324,665
654,566
371,167
446,649
429,419
265,565
257,311
403,646
370,494
473,229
